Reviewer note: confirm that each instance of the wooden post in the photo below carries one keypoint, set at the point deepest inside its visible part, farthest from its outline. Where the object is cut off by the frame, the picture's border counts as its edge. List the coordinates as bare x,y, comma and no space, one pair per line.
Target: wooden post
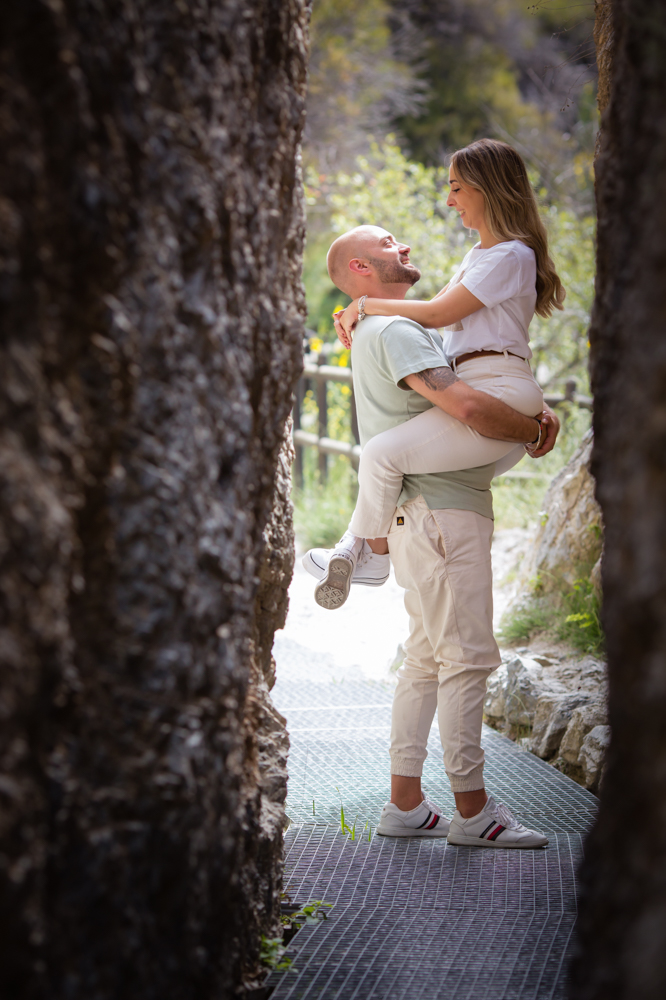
323,419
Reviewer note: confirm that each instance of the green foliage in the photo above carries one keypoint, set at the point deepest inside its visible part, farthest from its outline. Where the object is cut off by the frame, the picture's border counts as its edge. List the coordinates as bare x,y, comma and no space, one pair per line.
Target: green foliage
312,912
409,200
572,616
354,79
322,511
272,954
581,627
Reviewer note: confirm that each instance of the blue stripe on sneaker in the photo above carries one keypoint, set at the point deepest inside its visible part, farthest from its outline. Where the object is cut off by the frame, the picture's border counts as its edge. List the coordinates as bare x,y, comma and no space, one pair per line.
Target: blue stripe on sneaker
427,820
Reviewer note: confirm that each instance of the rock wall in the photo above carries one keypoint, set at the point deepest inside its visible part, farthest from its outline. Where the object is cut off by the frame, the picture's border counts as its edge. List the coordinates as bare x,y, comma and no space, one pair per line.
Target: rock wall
550,702
568,540
151,229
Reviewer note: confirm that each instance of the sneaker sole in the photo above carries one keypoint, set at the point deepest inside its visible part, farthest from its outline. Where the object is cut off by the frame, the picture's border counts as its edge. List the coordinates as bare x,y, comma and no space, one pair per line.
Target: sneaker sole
316,571
411,833
459,840
333,590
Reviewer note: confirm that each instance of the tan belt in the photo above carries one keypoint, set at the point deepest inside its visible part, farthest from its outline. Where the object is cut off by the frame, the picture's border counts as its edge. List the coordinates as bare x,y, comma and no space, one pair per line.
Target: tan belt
481,354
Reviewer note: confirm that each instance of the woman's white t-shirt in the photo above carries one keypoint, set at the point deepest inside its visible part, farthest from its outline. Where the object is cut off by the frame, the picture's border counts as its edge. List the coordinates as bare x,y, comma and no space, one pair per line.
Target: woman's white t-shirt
504,279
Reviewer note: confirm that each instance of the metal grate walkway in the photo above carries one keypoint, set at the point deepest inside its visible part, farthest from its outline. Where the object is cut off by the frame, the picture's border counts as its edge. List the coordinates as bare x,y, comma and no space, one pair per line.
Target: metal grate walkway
418,919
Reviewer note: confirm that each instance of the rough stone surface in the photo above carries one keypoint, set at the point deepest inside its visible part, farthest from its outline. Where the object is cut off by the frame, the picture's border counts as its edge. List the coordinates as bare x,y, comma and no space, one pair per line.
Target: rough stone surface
551,718
525,685
569,538
583,720
150,237
592,755
544,693
622,915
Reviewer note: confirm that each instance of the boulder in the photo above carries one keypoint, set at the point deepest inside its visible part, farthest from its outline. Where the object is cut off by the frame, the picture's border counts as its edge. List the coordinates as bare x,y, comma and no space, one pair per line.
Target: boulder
593,754
524,686
495,703
514,689
551,719
583,720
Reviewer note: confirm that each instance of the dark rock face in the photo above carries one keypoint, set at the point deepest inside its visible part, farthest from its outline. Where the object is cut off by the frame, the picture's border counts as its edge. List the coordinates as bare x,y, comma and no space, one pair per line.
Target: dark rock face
151,313
622,937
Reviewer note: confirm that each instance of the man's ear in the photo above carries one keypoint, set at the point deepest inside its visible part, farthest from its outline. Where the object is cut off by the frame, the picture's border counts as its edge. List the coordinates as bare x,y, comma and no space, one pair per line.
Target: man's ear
359,266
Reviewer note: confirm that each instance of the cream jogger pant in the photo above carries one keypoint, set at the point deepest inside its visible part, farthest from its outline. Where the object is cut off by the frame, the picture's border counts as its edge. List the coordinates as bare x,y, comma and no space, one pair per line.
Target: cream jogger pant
435,442
442,559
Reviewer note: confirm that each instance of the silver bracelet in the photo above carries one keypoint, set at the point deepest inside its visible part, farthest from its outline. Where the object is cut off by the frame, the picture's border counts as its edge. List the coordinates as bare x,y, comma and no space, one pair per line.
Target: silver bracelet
361,308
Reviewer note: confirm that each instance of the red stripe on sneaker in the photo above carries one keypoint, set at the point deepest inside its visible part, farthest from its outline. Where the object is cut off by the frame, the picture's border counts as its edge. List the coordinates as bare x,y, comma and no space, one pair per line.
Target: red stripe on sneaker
434,823
496,832
426,820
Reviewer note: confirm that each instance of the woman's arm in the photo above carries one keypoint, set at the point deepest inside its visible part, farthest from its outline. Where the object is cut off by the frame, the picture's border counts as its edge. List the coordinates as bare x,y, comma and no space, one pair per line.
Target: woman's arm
443,310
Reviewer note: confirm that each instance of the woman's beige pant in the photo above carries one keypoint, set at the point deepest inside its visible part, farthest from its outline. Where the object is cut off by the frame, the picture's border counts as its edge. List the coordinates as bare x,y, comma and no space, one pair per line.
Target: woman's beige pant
442,559
435,442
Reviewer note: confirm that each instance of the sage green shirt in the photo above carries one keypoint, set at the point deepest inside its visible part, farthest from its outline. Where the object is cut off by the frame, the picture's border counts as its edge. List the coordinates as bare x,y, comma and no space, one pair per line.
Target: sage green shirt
384,351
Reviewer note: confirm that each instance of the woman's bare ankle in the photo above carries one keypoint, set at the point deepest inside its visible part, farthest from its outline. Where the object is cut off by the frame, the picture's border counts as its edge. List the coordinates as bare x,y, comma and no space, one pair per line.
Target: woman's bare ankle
378,545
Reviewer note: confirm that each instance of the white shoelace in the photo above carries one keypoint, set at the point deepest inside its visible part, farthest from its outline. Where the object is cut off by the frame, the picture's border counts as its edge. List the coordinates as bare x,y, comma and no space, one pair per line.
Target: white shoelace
506,817
432,806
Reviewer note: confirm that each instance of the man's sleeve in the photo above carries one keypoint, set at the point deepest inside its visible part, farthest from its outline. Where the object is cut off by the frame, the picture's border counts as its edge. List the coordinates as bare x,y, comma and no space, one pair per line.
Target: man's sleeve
408,349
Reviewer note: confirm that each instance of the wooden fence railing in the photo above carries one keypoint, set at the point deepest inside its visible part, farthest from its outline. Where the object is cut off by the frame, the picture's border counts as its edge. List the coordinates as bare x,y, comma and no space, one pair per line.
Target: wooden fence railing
317,374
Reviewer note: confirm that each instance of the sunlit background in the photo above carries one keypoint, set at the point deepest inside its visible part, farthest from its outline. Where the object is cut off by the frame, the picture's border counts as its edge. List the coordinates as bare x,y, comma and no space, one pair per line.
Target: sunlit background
396,86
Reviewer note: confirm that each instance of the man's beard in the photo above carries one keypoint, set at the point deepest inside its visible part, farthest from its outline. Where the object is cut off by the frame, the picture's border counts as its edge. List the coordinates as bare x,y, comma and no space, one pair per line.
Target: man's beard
395,272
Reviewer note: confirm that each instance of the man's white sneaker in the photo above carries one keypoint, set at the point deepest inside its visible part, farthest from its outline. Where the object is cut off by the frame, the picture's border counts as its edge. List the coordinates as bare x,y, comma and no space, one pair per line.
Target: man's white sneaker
424,821
371,570
494,826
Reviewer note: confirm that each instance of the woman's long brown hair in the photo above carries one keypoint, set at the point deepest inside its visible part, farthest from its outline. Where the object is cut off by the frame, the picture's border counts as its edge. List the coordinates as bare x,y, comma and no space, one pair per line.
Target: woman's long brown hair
511,210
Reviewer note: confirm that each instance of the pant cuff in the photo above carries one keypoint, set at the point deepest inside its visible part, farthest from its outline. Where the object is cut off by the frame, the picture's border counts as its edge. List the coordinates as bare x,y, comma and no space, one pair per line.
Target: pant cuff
406,767
471,782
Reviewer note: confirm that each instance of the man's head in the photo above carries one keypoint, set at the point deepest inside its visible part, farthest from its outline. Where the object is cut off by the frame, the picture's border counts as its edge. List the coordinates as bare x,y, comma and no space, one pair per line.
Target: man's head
369,261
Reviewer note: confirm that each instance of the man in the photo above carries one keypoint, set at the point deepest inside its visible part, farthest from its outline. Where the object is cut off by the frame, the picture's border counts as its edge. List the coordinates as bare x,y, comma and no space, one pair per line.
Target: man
440,547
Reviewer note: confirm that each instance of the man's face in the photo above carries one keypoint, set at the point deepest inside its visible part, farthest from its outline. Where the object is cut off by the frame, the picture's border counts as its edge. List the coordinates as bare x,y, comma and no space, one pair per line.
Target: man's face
390,260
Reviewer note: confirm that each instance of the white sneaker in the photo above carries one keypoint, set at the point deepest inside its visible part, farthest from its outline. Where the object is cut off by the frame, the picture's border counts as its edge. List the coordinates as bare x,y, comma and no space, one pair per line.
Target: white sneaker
424,821
494,826
333,588
371,570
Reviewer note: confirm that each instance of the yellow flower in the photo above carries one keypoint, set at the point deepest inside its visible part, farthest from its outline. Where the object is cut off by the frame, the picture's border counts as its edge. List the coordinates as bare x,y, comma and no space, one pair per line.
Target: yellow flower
337,309
316,344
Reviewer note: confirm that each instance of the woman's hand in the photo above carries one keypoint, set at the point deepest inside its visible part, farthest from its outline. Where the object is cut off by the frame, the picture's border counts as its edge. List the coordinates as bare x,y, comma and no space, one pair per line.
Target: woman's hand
342,336
349,318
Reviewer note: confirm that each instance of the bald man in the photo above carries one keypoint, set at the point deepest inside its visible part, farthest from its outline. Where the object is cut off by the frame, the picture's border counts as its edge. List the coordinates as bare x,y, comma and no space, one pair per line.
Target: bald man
440,547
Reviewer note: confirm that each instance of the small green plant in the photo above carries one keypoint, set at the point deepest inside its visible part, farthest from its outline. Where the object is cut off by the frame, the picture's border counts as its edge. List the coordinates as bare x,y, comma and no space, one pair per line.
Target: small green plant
312,912
582,625
272,954
524,622
571,616
344,826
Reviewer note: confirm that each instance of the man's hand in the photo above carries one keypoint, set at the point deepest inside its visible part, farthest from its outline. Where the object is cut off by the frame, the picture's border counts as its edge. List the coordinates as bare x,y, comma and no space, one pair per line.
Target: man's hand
552,426
343,337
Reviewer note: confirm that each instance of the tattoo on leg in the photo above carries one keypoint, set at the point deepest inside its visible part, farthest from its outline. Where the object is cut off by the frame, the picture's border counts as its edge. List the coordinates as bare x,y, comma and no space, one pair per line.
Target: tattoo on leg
438,378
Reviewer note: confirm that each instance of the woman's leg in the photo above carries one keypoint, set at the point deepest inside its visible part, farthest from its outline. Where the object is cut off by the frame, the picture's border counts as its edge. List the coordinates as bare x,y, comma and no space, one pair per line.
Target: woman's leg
435,442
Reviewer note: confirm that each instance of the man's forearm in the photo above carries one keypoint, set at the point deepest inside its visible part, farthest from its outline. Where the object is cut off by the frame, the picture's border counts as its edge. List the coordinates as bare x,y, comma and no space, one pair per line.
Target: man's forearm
485,414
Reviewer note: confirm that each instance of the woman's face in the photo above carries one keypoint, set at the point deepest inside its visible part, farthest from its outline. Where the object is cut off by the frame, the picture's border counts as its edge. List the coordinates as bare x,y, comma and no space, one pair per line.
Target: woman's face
467,201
